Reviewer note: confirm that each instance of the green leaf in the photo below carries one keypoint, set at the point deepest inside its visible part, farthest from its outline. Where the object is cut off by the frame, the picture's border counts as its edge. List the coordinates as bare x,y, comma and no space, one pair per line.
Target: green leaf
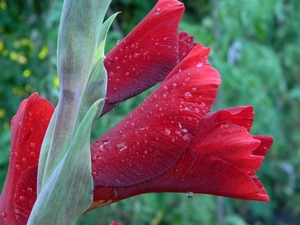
68,191
79,32
44,152
102,37
96,88
97,84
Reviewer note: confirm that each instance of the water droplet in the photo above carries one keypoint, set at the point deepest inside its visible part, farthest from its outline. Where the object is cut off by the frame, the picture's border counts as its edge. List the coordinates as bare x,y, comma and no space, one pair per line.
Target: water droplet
194,89
224,126
127,74
165,38
135,55
32,145
186,137
165,88
116,58
189,194
174,84
121,147
94,158
22,198
29,190
94,174
203,105
167,132
188,95
18,167
24,160
4,215
184,130
199,64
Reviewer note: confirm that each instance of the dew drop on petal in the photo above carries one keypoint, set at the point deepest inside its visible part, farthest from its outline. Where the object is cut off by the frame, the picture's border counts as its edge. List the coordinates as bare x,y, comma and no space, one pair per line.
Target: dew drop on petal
189,194
199,64
22,198
121,147
29,190
188,95
167,132
32,144
3,215
94,158
224,125
185,137
94,174
24,160
203,104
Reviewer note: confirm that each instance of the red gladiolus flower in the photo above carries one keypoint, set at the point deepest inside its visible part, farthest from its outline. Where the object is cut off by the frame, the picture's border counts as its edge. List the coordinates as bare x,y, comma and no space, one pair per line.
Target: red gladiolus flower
28,128
170,143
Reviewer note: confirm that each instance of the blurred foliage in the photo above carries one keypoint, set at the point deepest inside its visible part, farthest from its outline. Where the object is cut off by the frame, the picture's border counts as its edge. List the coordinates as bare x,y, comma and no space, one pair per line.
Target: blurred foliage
255,47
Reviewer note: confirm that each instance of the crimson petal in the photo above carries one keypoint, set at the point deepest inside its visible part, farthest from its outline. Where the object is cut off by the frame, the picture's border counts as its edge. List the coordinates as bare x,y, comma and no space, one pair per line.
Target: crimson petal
186,44
152,138
220,160
146,55
27,132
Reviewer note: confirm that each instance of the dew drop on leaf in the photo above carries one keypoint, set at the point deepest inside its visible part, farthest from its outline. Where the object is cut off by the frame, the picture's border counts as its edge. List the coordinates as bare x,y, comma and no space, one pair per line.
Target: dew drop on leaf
189,194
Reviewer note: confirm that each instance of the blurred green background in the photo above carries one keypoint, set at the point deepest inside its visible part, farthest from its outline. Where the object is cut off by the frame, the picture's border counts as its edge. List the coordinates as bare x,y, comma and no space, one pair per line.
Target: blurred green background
255,47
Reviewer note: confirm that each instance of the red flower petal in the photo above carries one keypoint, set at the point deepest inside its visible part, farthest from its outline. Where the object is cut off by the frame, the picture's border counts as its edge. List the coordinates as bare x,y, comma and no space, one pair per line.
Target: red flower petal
153,137
146,55
27,132
114,223
186,44
220,160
